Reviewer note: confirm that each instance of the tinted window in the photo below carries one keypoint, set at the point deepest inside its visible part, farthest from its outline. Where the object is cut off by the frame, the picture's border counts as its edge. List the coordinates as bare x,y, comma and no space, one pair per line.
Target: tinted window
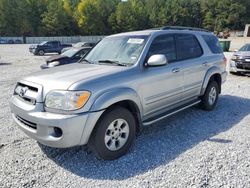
164,44
245,48
55,44
188,46
81,53
213,43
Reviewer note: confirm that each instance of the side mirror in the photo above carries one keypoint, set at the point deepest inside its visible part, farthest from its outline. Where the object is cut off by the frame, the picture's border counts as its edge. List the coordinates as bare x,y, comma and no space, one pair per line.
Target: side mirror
157,60
235,50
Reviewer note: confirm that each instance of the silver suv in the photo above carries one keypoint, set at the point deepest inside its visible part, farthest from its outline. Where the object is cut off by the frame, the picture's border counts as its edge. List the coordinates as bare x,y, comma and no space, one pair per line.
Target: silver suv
127,81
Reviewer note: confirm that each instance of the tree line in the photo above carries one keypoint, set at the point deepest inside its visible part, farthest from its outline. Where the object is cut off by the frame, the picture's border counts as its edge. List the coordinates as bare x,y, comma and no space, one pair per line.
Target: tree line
104,17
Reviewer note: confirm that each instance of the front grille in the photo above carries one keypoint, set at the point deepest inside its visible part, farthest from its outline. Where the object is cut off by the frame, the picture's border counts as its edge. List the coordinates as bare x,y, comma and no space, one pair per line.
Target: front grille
26,92
243,66
27,123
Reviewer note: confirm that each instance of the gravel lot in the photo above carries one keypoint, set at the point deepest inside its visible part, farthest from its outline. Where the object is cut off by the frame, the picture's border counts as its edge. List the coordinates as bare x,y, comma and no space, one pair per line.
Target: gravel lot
191,149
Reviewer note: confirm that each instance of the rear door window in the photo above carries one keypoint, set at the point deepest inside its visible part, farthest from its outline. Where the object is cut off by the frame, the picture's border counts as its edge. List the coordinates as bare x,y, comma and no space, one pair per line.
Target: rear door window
188,46
213,44
164,44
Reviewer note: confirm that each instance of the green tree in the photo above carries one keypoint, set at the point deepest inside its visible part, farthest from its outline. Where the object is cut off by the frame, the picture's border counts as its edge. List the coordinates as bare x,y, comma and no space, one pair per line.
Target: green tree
92,16
56,21
129,16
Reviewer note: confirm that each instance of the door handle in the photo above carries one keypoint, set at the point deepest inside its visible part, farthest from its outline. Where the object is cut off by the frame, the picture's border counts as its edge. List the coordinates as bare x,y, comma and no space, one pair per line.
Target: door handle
175,70
204,64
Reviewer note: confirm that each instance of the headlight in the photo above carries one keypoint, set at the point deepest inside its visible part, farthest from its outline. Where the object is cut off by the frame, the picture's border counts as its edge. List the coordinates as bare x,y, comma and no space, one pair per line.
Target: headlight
53,64
67,100
234,57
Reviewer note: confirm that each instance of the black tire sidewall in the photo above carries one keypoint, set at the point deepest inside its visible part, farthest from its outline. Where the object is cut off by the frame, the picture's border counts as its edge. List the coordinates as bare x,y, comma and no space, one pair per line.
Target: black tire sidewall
204,103
97,143
40,53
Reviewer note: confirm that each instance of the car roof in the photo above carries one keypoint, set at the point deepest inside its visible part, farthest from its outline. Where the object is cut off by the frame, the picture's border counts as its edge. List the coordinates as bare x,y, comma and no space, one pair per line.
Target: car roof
167,29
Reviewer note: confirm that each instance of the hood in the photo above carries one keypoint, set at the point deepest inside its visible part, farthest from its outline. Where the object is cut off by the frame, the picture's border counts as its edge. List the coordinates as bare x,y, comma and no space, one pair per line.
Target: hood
33,46
62,77
56,58
242,53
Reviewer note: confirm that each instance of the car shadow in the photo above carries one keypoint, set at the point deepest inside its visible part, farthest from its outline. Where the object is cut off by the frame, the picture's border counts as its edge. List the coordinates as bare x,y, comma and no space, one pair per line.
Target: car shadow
158,144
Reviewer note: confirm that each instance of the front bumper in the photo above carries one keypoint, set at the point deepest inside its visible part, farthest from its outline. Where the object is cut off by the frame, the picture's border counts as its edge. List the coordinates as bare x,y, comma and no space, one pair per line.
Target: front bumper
44,66
233,68
43,126
32,50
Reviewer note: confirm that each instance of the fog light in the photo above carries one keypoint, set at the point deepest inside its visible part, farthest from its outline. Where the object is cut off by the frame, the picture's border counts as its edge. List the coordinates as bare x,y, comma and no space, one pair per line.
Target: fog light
57,132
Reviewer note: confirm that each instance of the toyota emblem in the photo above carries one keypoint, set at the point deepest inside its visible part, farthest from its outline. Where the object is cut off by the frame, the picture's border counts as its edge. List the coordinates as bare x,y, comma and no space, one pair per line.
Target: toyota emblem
23,91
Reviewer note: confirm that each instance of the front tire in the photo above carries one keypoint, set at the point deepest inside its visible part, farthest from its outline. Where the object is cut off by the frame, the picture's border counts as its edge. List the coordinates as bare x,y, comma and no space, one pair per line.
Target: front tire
114,134
210,98
41,52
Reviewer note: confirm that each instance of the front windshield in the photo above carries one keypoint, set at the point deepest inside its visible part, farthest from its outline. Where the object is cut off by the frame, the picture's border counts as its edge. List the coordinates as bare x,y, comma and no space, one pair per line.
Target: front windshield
122,49
70,52
245,48
78,45
44,42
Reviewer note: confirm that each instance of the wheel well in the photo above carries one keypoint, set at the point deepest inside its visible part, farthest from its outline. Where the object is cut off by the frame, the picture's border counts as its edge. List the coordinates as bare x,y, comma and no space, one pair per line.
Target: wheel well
133,108
216,78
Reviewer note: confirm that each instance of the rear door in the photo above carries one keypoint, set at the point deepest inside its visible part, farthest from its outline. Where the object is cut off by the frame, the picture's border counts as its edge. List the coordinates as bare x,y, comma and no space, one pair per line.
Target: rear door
55,46
48,47
190,54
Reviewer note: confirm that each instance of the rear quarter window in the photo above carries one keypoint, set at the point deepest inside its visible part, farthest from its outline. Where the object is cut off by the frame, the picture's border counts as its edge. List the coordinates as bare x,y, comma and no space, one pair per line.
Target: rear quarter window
213,44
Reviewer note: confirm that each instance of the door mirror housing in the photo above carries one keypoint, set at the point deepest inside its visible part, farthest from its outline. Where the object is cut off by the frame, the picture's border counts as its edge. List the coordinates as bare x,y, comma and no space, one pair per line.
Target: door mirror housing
157,60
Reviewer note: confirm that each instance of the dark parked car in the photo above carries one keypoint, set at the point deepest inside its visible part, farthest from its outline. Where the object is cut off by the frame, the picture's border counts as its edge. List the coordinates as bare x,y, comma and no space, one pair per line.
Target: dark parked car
48,47
240,61
18,41
70,56
11,41
79,45
2,41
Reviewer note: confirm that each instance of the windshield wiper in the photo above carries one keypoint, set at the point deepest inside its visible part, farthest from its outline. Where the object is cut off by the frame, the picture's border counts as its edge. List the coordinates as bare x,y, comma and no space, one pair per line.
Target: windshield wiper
112,62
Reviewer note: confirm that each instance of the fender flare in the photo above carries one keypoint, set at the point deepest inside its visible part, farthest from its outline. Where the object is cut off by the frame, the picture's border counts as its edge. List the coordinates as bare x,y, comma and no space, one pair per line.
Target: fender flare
209,74
116,95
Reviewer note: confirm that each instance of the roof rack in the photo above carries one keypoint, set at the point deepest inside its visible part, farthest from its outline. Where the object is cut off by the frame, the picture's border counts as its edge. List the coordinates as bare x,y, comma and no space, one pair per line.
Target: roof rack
181,28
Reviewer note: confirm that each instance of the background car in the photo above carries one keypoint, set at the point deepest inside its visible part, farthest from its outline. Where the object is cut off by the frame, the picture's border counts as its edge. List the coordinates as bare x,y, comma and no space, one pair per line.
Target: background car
79,45
240,61
70,56
18,41
48,47
11,41
2,41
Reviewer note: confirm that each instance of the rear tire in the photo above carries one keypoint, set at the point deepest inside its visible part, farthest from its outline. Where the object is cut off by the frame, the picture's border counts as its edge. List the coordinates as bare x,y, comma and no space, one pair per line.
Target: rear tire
114,134
210,97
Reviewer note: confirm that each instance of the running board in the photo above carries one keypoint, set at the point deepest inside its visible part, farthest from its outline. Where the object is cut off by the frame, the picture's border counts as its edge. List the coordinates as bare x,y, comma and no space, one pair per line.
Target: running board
169,113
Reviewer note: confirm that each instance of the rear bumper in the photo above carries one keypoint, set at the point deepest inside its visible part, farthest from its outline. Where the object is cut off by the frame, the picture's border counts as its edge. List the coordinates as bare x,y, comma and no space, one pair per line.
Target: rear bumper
224,77
43,126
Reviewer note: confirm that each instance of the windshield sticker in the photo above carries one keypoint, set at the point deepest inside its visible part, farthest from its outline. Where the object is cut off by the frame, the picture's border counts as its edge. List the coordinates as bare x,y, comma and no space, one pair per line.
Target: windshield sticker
135,41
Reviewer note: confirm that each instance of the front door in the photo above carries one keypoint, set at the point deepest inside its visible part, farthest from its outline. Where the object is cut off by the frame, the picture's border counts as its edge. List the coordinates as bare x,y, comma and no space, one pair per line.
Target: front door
162,86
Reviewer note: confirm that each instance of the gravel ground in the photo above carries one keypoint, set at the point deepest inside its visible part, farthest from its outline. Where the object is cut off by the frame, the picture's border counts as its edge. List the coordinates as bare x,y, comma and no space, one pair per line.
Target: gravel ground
191,149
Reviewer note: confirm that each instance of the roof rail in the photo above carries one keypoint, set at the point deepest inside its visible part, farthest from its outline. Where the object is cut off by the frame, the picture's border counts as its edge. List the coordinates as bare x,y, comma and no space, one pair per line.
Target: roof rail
181,28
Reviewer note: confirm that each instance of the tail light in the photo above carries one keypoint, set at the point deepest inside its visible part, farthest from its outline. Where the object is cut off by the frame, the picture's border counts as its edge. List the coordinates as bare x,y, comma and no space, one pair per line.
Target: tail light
225,61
